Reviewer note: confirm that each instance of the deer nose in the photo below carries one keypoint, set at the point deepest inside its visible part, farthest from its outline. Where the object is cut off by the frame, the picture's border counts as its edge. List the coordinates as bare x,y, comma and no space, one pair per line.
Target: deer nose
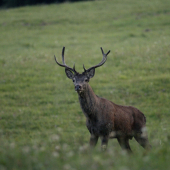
77,88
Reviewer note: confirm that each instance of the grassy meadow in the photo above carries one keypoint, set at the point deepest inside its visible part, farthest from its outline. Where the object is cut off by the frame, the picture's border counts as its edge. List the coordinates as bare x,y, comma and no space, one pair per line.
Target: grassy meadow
41,123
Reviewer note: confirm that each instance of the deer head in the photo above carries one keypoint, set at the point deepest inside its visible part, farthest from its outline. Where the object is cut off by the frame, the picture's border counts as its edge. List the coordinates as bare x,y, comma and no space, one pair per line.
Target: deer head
81,80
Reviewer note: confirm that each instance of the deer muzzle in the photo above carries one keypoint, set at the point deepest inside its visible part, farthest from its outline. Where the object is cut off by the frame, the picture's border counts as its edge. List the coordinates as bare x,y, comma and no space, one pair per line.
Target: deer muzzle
77,88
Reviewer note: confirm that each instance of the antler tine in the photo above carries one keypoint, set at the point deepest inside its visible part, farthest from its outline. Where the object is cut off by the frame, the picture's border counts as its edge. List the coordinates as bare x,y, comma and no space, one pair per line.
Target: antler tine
64,64
74,67
58,62
103,52
103,60
63,56
84,68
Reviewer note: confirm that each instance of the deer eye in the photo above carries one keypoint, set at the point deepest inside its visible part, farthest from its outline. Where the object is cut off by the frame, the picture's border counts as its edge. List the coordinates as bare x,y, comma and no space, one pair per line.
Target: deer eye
86,80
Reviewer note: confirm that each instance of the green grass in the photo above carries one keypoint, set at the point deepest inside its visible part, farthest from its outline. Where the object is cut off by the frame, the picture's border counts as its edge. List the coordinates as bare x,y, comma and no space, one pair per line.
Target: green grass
41,123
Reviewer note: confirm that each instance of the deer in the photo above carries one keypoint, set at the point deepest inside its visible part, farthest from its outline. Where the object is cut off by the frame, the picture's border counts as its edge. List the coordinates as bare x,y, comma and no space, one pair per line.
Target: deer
105,119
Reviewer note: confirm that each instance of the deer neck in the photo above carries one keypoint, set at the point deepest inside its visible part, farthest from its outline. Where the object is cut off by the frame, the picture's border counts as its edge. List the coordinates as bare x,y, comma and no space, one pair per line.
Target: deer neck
88,101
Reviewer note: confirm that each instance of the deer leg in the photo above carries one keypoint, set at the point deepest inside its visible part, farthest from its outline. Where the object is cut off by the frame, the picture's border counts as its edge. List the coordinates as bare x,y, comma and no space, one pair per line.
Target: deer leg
104,142
143,140
124,143
93,140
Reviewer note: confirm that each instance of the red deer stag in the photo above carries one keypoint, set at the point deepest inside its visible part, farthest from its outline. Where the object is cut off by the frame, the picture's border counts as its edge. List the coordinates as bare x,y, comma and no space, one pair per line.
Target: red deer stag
104,118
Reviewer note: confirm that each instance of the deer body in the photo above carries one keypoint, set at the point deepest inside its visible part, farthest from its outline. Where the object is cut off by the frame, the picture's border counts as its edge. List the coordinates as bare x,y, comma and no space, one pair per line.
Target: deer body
104,118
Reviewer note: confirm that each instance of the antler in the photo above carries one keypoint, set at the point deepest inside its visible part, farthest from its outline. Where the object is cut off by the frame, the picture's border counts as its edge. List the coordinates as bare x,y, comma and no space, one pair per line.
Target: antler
64,64
101,63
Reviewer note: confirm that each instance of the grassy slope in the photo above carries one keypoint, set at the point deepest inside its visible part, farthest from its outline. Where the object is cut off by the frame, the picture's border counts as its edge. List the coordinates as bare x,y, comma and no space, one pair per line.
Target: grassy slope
41,123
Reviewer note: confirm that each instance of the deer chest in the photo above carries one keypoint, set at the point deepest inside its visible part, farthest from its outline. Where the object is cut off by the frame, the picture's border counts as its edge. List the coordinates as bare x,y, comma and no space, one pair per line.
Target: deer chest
98,128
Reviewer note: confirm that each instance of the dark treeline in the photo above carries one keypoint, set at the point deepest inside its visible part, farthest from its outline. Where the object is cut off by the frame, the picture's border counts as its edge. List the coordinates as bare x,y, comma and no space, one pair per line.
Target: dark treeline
17,3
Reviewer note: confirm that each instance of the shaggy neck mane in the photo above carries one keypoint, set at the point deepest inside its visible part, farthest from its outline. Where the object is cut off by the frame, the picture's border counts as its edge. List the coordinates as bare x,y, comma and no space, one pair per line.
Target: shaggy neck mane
88,101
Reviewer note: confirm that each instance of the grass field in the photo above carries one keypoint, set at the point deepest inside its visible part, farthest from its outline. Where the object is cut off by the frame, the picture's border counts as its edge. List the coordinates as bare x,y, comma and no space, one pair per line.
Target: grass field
41,123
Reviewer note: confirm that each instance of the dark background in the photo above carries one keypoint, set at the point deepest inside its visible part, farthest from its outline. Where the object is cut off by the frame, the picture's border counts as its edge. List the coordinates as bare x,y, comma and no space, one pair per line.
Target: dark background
17,3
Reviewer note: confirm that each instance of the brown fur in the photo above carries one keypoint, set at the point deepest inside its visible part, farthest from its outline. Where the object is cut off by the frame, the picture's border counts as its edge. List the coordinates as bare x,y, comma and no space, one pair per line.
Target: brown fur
104,118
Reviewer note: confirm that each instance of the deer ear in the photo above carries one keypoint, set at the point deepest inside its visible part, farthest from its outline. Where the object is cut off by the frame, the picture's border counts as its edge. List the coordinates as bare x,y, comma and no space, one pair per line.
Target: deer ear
69,73
91,73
